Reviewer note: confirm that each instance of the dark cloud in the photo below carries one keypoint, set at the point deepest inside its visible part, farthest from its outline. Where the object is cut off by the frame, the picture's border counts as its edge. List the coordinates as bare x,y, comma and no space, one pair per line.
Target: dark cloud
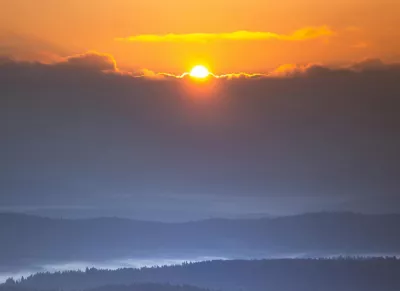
89,61
371,64
79,132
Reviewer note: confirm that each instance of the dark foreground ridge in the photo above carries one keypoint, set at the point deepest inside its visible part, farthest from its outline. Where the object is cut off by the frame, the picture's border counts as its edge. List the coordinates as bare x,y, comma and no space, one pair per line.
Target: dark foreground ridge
344,274
132,287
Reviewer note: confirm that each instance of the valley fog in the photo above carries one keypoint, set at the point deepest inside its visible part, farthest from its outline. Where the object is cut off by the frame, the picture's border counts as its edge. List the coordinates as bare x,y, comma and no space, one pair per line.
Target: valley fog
17,272
23,271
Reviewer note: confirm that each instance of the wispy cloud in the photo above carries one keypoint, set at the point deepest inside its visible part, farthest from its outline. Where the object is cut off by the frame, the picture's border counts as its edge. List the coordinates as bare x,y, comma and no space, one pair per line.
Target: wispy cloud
243,35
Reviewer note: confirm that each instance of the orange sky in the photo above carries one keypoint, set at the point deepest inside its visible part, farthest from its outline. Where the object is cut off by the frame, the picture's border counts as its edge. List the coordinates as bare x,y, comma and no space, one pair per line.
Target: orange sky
358,29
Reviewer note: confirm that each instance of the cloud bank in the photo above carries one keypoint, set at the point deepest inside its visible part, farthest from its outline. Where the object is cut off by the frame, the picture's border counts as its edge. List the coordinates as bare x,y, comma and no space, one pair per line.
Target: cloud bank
90,61
298,35
80,132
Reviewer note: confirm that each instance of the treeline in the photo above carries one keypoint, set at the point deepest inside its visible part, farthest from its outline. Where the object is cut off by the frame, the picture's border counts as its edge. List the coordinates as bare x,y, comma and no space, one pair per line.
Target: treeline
344,274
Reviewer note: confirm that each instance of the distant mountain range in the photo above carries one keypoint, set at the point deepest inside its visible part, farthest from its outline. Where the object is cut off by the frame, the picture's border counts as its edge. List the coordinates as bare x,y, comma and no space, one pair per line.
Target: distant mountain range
343,274
26,239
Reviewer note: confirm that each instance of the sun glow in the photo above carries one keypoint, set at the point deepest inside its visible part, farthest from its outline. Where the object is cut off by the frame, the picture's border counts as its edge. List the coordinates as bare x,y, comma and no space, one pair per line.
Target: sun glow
199,72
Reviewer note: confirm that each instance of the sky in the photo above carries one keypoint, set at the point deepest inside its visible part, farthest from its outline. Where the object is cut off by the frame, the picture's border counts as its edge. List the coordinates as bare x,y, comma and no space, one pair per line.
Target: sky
300,113
334,32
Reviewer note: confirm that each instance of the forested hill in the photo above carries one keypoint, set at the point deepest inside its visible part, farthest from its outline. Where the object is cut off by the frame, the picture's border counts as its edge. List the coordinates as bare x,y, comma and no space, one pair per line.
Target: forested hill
379,274
132,287
32,239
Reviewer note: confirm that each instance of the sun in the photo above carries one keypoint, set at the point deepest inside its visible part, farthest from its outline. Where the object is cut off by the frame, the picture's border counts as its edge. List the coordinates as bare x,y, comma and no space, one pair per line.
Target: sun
199,72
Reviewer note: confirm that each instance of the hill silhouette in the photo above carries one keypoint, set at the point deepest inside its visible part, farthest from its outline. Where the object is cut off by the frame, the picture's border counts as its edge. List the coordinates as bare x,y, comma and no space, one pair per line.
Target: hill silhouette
34,239
132,287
